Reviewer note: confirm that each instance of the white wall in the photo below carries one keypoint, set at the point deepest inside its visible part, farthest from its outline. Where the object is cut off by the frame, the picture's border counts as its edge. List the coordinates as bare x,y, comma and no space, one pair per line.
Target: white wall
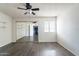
14,36
21,29
5,33
68,30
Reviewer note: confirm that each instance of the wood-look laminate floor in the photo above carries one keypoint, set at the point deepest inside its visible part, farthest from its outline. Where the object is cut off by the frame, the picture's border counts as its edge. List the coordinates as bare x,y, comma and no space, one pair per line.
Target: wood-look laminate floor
34,49
28,39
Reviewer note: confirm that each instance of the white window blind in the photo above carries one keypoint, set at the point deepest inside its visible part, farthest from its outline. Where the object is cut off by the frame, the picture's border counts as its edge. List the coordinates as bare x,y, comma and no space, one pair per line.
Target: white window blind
49,26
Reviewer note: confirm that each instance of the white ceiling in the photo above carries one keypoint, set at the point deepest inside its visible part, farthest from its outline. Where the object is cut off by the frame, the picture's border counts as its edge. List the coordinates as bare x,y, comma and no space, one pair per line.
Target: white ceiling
46,9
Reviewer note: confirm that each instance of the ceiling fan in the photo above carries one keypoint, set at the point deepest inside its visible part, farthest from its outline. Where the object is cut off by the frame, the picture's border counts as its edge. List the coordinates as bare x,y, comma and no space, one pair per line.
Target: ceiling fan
29,8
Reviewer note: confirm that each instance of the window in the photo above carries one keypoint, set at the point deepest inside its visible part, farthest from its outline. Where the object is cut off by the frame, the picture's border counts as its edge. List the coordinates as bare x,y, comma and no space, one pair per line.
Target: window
46,26
49,26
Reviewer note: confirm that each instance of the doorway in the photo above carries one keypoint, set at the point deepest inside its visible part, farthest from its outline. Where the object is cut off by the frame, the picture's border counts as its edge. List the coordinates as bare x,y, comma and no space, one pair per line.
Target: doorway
35,33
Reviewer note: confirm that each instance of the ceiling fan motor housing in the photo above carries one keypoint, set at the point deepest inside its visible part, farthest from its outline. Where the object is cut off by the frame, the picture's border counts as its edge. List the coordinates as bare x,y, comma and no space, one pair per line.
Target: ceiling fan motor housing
28,6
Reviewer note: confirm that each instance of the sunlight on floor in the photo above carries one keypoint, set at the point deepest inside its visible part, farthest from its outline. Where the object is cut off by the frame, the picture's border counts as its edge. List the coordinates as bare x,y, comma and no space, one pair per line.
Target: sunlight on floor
49,52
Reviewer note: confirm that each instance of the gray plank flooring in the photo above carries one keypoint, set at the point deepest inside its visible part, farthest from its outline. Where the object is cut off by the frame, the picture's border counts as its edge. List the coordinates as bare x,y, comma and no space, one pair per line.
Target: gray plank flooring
27,48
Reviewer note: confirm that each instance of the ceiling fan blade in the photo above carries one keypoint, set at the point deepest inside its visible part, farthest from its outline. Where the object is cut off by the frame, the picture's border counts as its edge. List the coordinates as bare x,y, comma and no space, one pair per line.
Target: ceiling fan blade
33,13
35,9
21,8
